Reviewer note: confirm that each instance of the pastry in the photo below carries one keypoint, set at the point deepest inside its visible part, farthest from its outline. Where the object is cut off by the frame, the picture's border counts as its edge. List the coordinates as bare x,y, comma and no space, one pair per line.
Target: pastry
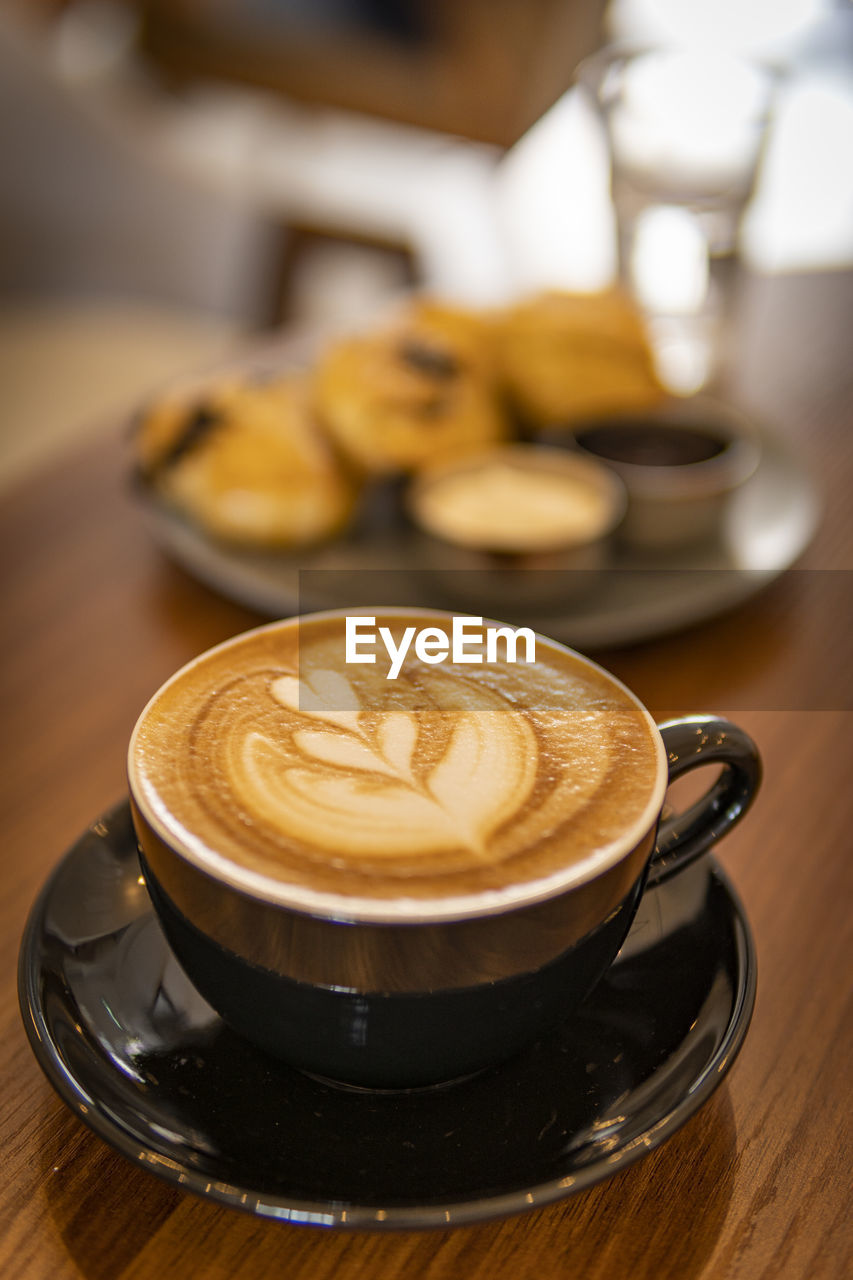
416,390
246,461
470,332
564,357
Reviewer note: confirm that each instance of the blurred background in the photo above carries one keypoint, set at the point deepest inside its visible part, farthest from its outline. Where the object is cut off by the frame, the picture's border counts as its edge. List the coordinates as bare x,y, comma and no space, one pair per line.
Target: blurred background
178,176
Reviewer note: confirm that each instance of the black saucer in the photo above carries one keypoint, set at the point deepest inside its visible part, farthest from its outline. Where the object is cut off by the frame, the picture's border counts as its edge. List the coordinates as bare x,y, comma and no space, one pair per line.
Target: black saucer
132,1049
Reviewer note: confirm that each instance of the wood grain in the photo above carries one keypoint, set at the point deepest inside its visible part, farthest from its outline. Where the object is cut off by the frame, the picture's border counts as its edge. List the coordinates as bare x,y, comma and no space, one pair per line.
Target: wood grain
754,1187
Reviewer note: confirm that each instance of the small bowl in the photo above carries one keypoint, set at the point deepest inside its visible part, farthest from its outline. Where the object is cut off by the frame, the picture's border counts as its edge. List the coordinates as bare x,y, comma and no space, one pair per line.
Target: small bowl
522,522
680,466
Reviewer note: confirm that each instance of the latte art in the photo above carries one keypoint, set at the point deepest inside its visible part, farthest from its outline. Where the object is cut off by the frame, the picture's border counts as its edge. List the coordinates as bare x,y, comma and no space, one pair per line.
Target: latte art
274,755
352,789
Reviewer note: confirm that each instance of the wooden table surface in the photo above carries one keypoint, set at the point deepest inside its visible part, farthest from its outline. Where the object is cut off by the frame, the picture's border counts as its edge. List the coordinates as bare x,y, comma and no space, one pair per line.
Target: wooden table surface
758,1182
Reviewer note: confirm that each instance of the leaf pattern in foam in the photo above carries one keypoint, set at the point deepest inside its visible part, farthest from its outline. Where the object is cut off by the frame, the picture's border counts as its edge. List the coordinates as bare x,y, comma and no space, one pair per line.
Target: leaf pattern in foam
324,695
398,734
357,794
358,816
341,750
486,773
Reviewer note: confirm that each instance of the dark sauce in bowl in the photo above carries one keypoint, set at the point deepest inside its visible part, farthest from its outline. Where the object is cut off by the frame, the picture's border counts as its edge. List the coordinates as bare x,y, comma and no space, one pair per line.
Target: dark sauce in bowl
652,444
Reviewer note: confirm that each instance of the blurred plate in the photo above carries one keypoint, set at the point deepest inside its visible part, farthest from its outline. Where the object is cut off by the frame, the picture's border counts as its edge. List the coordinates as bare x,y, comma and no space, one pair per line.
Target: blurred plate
768,524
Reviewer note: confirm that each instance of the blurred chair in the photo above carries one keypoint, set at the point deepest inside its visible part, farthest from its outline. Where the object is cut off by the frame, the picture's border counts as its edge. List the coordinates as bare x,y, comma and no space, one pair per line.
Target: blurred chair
368,125
177,174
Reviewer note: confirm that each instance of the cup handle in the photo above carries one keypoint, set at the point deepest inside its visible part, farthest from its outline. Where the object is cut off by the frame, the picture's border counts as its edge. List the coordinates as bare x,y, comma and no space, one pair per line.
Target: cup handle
691,742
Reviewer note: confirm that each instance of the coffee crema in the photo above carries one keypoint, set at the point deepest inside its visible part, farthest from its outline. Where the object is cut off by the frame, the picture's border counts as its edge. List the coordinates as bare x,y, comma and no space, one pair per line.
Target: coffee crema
273,755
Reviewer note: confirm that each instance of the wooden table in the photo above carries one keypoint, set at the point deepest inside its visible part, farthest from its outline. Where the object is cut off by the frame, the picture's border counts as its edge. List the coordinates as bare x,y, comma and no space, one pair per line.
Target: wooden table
757,1183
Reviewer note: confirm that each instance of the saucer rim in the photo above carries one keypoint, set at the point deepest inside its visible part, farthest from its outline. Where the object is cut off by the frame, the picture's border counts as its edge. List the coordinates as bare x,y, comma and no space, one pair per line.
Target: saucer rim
330,1214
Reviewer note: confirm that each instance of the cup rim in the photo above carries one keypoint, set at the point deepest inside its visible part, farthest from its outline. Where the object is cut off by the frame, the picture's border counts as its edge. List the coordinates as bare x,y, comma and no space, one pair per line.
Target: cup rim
398,910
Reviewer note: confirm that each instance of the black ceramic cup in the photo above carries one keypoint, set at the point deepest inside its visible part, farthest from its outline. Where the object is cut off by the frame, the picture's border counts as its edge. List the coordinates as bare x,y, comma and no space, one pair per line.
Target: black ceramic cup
404,998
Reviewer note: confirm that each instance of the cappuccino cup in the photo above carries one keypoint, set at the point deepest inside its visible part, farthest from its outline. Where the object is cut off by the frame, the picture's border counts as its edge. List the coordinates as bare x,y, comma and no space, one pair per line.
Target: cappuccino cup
392,860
